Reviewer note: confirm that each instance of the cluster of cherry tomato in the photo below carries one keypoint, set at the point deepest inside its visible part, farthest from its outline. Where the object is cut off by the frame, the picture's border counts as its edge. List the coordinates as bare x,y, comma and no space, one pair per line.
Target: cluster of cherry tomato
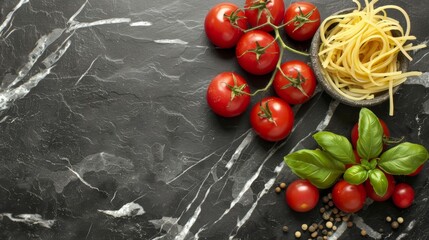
302,196
250,31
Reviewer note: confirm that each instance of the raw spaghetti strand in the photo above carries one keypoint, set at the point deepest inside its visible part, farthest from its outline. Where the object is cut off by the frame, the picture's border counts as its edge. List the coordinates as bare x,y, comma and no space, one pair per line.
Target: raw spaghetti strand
359,51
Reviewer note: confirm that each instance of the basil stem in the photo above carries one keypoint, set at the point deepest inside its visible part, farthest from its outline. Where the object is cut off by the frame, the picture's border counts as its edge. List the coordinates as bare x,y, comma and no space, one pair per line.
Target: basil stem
337,146
315,166
378,181
403,159
356,175
370,141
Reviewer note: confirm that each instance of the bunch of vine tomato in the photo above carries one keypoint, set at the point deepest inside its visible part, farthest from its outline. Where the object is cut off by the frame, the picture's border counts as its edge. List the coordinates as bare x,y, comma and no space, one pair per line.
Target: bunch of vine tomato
254,31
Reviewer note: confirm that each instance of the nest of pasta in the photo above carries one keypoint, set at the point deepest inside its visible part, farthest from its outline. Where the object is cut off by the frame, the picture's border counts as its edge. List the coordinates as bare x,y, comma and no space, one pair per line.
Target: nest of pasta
361,52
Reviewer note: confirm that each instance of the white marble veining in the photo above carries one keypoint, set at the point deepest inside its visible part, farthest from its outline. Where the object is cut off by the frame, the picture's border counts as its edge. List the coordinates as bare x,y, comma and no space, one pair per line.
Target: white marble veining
128,210
30,219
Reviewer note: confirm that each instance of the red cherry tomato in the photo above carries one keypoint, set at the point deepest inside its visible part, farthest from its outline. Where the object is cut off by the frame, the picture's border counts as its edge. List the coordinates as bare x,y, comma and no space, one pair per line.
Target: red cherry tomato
295,83
390,187
272,119
224,97
258,10
218,27
302,196
418,170
302,20
348,197
252,56
403,195
355,132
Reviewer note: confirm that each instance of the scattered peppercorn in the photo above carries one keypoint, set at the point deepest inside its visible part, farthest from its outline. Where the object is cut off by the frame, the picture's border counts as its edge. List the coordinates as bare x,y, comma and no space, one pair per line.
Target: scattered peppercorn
395,224
325,237
363,233
349,224
304,227
325,199
388,219
312,228
322,210
297,234
331,203
324,232
320,226
326,215
314,234
329,224
282,185
335,211
330,233
319,238
285,228
330,195
277,189
337,219
400,220
334,228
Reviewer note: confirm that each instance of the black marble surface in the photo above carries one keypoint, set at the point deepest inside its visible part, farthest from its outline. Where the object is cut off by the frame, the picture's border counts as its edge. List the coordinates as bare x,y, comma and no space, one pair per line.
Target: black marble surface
105,132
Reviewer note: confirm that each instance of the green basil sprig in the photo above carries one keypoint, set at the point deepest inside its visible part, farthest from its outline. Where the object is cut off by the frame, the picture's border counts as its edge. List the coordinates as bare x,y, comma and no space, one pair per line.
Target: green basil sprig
403,159
337,146
316,166
370,141
378,181
323,167
356,174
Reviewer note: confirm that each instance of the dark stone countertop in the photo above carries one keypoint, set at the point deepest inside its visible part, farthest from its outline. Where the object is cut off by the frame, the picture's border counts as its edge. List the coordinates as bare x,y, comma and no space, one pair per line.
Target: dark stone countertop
105,132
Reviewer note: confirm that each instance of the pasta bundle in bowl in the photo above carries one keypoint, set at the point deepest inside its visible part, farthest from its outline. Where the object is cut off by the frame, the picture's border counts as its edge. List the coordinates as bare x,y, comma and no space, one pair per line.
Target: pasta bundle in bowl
361,55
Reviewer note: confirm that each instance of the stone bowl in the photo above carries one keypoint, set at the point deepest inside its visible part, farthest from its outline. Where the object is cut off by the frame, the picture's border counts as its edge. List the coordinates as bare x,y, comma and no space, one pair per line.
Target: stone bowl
318,70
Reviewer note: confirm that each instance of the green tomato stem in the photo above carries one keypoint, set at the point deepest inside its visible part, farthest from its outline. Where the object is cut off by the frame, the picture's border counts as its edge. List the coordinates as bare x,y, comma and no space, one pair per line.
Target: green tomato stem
272,76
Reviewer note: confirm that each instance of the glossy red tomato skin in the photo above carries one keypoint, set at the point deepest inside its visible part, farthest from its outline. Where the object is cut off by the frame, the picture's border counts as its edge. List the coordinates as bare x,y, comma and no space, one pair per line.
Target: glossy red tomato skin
275,7
282,115
292,94
307,31
418,170
248,60
219,95
403,195
347,197
219,29
355,132
390,188
301,195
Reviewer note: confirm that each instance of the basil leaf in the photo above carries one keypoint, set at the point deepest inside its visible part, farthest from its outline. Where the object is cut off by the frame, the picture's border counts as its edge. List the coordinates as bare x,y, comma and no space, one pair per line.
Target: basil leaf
337,146
373,164
315,166
370,141
378,181
365,164
356,175
403,159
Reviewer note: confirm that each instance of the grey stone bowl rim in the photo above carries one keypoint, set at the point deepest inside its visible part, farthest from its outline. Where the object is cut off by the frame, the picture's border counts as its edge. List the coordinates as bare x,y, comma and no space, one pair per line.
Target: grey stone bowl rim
317,68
